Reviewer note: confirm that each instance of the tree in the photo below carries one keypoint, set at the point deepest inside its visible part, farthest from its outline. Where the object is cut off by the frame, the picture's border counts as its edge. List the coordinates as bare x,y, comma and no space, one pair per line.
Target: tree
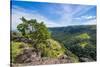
23,26
34,30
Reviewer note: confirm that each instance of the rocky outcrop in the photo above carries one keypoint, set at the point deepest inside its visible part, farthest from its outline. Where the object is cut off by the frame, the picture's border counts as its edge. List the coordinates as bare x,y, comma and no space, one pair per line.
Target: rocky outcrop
21,39
28,55
31,57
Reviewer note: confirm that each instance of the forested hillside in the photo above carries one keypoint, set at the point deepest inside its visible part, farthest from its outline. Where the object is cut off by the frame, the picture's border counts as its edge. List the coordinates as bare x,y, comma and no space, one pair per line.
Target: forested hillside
80,40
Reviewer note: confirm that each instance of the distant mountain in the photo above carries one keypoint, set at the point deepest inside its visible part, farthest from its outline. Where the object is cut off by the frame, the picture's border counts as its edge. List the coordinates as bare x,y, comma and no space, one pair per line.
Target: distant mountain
73,29
61,33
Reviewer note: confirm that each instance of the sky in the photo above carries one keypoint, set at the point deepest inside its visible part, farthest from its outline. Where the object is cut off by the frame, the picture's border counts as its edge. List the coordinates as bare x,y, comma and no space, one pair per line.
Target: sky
53,14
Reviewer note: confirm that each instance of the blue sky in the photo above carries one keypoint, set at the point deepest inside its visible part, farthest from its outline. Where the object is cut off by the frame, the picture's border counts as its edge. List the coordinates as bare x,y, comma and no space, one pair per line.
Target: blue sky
53,14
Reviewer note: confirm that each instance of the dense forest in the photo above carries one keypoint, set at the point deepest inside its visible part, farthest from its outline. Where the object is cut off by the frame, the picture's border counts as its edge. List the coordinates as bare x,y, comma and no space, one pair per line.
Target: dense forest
33,43
80,40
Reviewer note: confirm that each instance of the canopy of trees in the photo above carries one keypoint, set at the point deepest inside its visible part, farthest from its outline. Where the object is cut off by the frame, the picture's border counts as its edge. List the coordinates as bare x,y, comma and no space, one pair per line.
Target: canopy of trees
80,40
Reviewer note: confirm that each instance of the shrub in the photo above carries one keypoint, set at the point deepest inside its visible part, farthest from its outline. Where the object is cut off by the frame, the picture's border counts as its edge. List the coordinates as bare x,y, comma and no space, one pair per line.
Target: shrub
72,56
51,49
17,48
83,36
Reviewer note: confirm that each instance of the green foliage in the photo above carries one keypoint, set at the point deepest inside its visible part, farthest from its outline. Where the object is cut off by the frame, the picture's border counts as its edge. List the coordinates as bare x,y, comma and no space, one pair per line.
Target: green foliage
91,51
34,30
51,49
83,36
79,40
83,44
17,48
72,56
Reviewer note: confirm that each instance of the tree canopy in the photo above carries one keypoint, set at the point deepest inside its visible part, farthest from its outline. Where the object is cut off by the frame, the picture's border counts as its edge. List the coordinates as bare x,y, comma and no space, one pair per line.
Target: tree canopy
36,31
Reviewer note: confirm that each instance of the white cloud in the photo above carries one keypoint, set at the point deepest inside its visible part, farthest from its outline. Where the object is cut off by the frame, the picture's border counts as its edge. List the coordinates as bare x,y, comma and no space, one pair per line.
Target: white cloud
88,22
88,17
91,22
85,18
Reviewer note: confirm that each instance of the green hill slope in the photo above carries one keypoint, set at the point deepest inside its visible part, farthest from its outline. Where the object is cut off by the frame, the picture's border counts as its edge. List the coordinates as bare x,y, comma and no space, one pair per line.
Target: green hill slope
80,40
